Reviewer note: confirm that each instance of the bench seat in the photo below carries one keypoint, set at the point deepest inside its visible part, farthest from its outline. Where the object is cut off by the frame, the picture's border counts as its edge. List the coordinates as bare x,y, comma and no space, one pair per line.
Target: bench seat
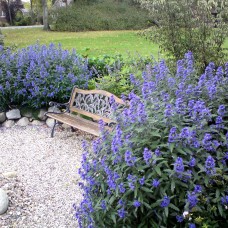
78,122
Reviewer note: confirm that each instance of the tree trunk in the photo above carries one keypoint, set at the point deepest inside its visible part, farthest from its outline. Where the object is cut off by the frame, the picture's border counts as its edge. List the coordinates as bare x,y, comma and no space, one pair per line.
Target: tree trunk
1,38
32,13
45,15
9,11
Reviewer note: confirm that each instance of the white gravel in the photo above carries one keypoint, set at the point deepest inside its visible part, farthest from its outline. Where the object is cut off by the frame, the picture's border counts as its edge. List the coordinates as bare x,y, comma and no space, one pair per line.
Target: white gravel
42,194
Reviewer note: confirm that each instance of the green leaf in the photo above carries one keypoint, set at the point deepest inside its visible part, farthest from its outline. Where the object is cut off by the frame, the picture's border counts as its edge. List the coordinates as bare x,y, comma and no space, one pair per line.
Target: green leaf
166,212
102,187
97,216
220,209
135,193
158,170
156,134
217,193
147,205
146,189
206,180
174,207
171,147
172,186
98,204
153,205
201,167
113,216
112,199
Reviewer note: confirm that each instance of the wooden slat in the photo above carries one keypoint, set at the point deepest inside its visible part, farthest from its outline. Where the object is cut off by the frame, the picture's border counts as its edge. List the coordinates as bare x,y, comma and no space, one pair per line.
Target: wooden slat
92,115
78,122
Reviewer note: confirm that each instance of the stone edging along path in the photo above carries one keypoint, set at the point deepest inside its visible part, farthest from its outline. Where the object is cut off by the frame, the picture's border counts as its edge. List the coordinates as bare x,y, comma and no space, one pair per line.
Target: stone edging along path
27,116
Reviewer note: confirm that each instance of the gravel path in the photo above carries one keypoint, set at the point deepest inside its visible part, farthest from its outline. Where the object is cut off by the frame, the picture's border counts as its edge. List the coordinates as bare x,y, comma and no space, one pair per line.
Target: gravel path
45,187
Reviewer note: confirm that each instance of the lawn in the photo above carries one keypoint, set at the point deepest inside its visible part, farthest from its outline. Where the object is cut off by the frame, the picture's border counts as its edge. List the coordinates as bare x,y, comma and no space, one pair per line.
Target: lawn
86,43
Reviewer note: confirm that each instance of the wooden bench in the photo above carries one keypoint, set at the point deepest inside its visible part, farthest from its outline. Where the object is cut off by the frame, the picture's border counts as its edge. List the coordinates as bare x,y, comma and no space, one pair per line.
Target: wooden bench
95,104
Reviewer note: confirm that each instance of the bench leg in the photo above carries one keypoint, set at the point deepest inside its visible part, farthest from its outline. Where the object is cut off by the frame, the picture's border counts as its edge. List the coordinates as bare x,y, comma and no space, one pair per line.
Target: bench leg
72,129
53,129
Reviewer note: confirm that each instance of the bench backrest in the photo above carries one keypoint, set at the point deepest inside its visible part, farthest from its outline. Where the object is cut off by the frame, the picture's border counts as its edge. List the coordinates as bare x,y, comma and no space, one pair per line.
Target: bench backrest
93,103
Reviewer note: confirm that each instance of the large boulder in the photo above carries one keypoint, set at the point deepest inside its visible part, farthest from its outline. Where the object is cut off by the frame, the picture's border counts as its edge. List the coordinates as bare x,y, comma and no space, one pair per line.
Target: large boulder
54,109
26,112
4,201
11,174
41,115
8,123
66,126
13,114
50,122
37,123
23,122
2,117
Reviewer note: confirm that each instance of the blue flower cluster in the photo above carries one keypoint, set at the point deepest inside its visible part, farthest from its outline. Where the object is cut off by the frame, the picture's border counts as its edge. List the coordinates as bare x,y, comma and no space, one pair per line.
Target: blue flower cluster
37,74
167,156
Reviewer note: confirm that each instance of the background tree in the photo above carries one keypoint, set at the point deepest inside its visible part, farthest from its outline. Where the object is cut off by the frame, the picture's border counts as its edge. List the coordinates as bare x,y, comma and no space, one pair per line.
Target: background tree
10,9
1,38
45,15
190,25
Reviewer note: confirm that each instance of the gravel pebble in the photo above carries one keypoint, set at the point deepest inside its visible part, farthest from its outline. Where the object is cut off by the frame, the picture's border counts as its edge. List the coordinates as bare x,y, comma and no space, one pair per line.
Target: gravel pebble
45,188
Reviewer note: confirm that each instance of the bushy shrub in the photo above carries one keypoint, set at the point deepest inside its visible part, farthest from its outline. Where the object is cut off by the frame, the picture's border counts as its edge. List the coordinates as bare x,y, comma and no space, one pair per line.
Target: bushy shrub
10,9
21,20
187,25
165,165
111,73
101,15
37,74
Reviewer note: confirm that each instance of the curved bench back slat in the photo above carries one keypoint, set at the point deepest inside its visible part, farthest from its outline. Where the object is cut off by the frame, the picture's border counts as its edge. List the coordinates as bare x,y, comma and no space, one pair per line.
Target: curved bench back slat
94,103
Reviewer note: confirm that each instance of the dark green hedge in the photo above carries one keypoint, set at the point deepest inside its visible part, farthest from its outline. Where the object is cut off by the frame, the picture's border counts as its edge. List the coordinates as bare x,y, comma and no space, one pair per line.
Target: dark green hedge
101,15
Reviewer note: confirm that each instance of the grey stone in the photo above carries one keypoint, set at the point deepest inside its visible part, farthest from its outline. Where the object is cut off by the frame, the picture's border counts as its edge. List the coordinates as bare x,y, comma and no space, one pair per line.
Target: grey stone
4,201
41,115
2,117
53,109
50,122
65,126
26,112
11,174
13,114
23,122
8,123
37,122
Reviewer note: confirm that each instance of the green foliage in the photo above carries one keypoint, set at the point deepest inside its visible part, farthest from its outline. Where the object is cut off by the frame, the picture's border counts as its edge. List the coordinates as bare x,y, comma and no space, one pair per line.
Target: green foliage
189,25
108,74
1,38
102,15
166,162
21,20
111,73
10,9
34,76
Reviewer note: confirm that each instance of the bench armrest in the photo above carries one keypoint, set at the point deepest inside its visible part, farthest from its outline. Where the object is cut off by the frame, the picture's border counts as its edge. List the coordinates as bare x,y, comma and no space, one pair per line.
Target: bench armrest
111,124
59,105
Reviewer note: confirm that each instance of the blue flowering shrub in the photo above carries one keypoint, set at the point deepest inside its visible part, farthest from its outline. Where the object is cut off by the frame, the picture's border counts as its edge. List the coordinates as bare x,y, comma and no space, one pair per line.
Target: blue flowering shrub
37,74
165,165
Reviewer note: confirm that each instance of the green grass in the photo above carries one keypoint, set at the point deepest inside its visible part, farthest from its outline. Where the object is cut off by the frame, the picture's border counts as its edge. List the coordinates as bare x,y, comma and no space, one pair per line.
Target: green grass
86,43
90,44
226,43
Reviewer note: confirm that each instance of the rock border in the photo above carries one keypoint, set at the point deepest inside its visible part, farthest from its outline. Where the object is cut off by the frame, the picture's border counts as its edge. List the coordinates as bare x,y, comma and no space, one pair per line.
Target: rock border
26,116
